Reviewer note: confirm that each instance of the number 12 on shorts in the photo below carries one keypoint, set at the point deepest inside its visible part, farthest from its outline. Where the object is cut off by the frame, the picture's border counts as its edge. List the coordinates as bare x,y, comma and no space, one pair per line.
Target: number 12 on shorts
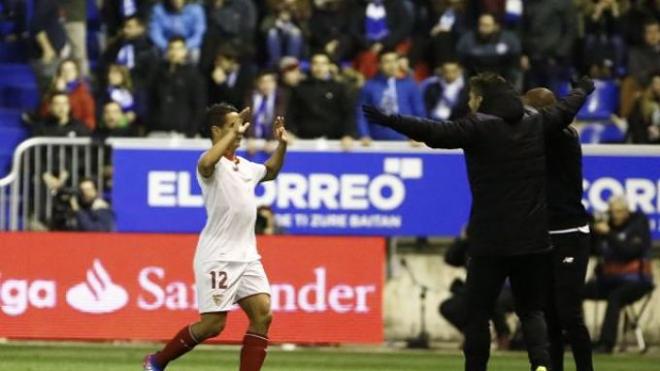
218,280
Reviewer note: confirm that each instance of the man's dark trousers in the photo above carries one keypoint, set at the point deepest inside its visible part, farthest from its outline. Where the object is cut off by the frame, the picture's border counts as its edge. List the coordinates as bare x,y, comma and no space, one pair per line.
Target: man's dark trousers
528,275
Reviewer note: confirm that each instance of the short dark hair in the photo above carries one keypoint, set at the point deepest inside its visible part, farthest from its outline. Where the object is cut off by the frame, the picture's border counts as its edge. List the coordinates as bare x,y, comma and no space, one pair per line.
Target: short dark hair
215,115
487,84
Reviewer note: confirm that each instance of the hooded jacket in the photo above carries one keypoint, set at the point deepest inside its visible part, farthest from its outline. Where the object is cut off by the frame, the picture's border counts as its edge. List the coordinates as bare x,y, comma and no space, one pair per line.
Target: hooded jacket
505,155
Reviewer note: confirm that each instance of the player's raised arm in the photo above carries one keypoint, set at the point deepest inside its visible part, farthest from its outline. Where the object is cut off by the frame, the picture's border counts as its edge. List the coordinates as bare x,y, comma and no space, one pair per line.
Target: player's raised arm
276,160
445,134
223,136
562,113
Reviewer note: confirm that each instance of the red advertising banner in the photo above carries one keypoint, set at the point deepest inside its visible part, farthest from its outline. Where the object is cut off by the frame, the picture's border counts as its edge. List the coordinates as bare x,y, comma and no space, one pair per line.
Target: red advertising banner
141,287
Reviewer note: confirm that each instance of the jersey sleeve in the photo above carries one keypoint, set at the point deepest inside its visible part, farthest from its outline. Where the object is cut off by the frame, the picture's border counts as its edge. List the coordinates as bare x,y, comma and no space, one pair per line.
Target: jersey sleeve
259,171
201,180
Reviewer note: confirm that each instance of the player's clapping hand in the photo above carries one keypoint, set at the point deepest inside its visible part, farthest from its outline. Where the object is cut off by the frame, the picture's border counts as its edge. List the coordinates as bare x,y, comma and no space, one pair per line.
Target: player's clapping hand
585,83
376,116
280,132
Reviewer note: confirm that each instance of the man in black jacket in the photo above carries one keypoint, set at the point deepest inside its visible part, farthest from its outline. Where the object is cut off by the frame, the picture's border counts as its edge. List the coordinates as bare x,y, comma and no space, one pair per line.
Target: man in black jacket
320,106
177,93
505,156
568,223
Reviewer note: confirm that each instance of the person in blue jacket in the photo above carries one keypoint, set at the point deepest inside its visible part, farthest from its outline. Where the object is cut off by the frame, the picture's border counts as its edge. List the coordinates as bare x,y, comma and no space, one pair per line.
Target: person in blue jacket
391,93
178,18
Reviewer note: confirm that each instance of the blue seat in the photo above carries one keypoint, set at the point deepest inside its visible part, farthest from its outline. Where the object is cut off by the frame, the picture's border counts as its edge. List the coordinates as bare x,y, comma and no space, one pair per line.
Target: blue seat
601,104
10,137
601,132
10,118
15,73
20,96
13,52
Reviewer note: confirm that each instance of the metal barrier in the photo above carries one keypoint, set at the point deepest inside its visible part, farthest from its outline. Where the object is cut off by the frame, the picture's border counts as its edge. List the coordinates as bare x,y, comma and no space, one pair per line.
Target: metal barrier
24,197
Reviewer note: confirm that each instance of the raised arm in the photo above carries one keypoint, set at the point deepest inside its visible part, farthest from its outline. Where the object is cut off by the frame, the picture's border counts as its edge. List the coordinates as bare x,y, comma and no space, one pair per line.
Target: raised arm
276,160
435,134
206,164
561,114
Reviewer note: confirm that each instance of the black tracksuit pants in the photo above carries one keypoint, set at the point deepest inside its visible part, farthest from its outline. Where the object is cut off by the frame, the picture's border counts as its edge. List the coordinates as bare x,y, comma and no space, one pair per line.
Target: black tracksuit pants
564,314
528,276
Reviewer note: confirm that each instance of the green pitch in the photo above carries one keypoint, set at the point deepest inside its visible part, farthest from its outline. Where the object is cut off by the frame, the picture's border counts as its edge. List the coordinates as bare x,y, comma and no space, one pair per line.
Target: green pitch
67,357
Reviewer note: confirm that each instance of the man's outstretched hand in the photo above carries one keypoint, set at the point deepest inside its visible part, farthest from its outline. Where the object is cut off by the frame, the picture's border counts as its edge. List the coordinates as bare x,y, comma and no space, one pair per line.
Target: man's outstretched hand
376,116
585,83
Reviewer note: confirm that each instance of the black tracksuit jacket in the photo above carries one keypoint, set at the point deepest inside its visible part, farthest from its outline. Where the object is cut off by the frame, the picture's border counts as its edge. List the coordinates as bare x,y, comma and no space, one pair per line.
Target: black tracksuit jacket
504,150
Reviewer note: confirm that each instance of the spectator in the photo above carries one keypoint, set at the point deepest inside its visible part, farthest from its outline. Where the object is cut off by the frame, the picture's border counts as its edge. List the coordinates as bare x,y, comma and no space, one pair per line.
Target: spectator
232,22
643,61
177,96
133,49
115,122
267,102
604,49
379,25
120,90
644,121
320,105
624,276
75,15
68,79
446,23
635,19
90,212
549,31
490,49
229,81
115,13
446,94
392,95
59,122
50,40
328,26
284,38
180,18
290,74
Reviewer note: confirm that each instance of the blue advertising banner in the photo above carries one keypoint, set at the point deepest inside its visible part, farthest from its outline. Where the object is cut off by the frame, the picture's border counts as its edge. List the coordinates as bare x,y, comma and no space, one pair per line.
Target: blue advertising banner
404,193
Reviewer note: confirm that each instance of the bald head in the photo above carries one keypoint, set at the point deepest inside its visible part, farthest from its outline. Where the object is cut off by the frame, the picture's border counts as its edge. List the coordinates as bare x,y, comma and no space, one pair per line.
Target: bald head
539,98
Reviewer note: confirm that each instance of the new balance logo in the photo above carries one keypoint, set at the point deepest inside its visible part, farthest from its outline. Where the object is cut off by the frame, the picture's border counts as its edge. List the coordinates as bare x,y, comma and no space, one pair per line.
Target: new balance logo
98,294
568,260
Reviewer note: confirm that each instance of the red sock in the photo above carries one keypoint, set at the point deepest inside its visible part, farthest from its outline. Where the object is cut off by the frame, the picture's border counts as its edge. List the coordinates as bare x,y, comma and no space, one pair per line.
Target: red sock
182,343
253,352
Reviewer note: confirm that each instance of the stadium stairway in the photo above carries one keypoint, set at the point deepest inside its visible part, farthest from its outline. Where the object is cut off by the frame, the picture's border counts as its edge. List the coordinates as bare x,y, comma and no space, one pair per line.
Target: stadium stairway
18,93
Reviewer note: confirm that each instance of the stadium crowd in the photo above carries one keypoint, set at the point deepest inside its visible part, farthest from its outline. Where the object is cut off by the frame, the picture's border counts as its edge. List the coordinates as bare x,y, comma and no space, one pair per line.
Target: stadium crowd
316,62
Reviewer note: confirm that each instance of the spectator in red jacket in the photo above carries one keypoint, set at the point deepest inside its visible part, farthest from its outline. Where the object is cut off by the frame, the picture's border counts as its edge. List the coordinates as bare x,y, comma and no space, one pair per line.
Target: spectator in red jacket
69,80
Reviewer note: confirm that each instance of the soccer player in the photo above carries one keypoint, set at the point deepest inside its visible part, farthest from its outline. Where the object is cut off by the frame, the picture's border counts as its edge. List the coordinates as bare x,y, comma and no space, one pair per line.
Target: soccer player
227,265
569,231
505,155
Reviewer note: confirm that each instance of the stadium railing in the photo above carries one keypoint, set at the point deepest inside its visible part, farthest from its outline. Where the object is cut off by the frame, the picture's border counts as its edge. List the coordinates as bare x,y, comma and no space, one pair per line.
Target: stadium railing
22,192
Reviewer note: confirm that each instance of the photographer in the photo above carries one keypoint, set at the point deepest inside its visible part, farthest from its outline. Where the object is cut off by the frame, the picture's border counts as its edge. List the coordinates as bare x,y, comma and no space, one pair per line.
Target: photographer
82,210
623,239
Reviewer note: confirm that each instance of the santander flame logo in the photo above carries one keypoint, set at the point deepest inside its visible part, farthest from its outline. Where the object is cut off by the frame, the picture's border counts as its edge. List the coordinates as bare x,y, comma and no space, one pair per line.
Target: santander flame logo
98,294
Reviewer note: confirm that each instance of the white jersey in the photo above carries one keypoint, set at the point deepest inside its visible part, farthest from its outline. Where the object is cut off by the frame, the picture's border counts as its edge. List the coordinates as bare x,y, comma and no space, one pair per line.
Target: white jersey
231,209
